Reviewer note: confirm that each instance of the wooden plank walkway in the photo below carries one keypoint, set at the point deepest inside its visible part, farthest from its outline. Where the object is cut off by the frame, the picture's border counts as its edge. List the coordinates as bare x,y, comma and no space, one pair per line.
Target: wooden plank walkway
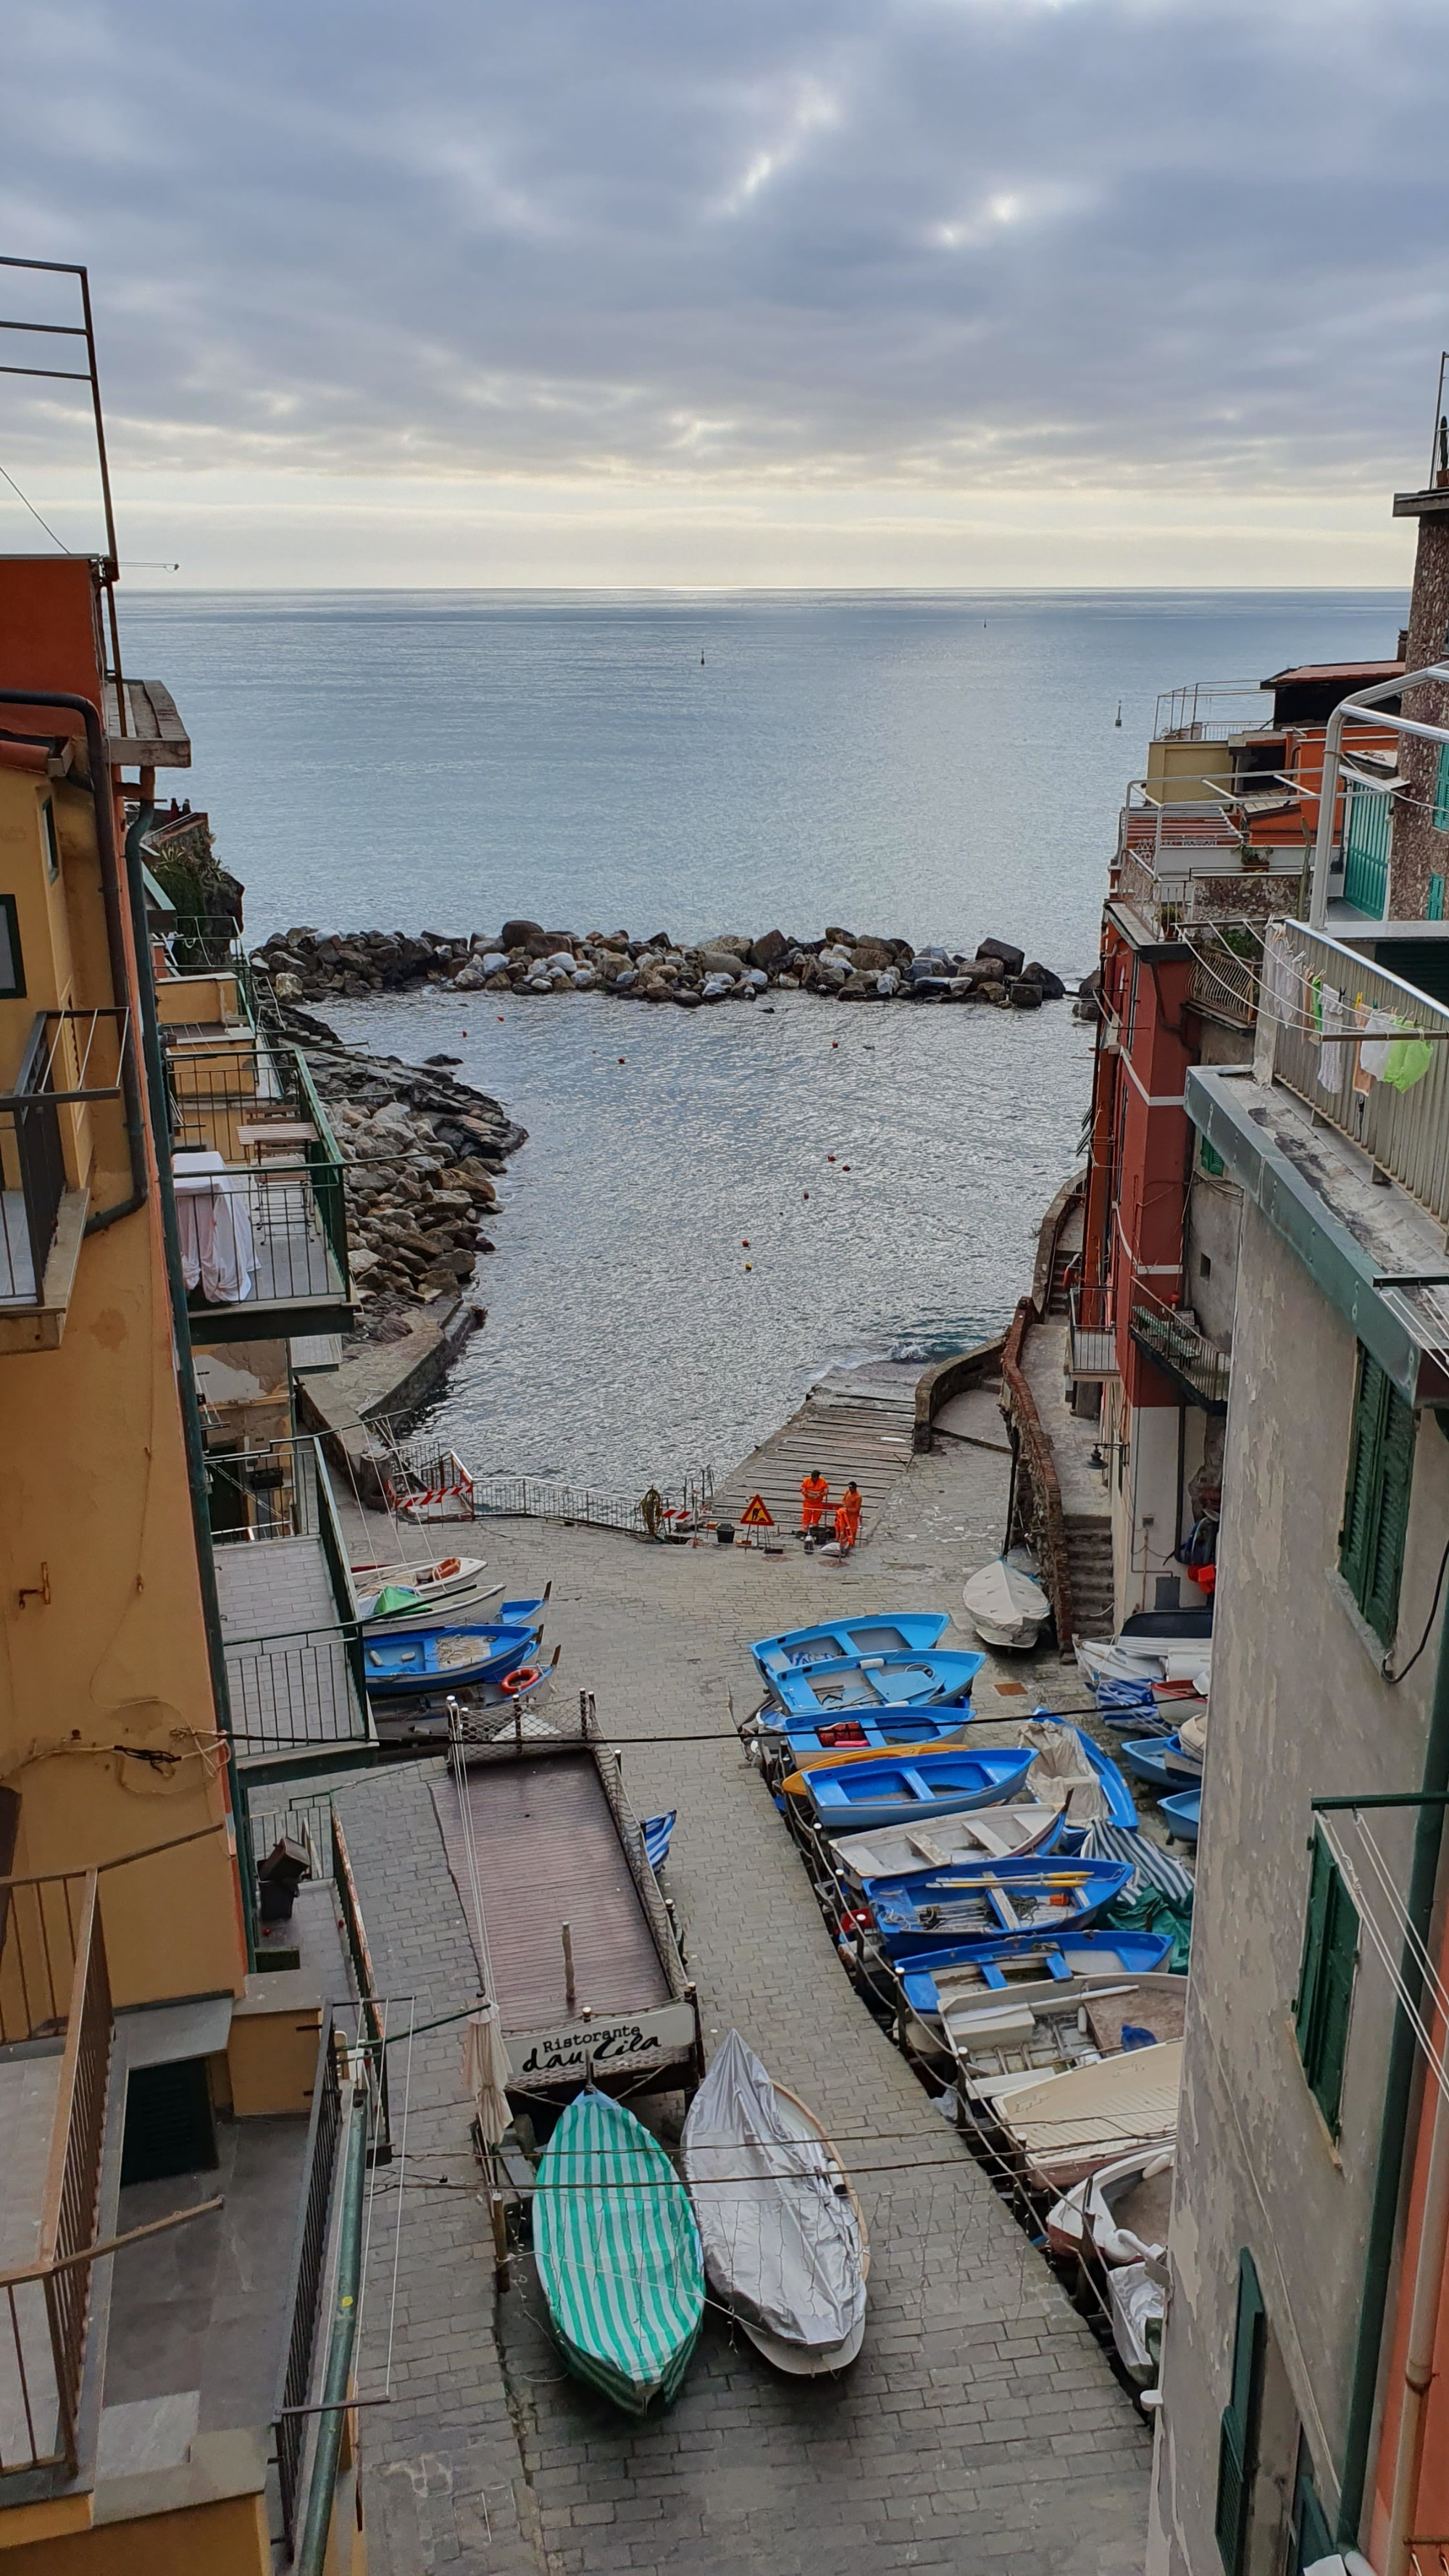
856,1422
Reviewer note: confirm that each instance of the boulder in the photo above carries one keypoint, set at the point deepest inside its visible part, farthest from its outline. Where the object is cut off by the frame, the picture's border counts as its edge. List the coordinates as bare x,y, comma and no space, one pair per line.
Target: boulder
888,984
858,986
1052,987
836,938
768,952
873,955
985,970
516,934
715,987
719,961
1024,996
731,943
1012,959
472,979
287,988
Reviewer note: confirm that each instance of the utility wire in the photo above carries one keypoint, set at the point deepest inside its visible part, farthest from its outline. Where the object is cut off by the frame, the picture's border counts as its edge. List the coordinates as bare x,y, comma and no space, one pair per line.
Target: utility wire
35,514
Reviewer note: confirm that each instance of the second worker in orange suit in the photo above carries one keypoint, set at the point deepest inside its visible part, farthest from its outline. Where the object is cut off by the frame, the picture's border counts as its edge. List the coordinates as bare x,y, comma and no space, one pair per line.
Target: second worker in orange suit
847,1516
814,1495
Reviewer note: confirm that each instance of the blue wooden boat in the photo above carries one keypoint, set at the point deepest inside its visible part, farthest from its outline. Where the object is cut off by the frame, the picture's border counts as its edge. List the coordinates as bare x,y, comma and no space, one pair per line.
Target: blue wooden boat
850,1797
442,1659
1121,1805
884,1633
1025,1956
975,1901
1162,1763
1184,1813
875,1681
878,1730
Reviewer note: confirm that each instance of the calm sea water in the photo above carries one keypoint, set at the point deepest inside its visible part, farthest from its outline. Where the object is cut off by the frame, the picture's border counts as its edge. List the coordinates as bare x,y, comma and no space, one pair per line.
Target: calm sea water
935,766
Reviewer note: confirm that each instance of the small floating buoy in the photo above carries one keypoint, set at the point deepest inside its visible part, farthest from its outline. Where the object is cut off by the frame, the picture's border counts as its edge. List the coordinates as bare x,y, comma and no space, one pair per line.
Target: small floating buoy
845,1167
834,1043
807,1194
745,1244
621,1059
749,1265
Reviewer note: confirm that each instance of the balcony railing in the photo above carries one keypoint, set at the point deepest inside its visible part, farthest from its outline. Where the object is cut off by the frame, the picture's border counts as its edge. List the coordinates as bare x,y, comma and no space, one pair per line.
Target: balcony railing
53,1981
195,946
1091,1334
259,1190
1182,1350
1405,1132
71,1059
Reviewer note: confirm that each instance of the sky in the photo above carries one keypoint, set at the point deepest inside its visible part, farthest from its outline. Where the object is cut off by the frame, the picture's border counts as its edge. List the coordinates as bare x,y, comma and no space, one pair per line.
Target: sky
943,293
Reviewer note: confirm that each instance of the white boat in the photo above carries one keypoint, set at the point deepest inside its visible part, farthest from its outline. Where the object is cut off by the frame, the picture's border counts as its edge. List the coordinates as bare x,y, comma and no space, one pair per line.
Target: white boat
1003,2042
990,1833
447,1578
1137,2296
1005,1606
1121,2211
784,2238
1069,2125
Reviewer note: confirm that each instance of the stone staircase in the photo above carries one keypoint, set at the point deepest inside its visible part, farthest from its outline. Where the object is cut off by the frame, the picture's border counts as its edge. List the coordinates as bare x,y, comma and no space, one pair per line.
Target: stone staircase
1089,1559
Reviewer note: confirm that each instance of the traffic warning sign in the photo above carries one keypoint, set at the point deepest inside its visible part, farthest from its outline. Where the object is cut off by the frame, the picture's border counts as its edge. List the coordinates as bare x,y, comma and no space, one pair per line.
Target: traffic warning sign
755,1516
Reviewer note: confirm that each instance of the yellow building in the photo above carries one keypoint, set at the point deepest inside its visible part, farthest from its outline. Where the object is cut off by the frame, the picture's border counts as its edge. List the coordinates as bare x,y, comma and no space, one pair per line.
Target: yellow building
147,2072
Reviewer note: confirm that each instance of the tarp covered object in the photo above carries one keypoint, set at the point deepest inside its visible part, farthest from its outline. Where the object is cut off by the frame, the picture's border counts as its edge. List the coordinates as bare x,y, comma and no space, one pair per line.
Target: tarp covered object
781,2245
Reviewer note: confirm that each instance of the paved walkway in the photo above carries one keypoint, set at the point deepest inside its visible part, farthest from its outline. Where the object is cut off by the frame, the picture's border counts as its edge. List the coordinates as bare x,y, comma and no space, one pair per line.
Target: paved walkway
854,1422
981,2427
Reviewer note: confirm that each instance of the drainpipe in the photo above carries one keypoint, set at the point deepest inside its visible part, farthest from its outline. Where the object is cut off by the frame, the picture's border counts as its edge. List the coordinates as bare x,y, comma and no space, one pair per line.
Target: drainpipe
1332,753
312,2553
1423,2329
98,762
1398,2086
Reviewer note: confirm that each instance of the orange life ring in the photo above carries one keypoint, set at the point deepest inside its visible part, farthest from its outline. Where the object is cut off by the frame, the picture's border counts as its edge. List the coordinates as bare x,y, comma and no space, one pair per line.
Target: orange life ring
514,1684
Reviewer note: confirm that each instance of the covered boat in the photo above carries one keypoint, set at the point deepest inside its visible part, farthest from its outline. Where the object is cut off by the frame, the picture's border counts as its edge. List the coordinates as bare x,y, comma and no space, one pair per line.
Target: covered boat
875,1682
980,1900
417,1660
1068,1770
991,1833
618,2254
883,1633
1005,1606
785,2246
857,1795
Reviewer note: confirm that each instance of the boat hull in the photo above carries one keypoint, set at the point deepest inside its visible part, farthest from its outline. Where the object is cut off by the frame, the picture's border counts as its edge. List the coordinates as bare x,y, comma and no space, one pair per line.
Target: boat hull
908,1792
618,2255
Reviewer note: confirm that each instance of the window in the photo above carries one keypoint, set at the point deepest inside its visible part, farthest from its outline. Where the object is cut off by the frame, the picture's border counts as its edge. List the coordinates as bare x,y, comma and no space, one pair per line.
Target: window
1376,1506
52,845
1309,2536
1441,790
1238,2436
1325,1981
12,969
1210,1159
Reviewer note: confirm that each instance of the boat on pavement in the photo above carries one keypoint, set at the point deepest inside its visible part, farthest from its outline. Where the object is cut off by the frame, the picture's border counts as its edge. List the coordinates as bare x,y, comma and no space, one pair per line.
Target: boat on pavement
1042,2027
980,1900
784,2239
1121,2211
418,1660
618,2254
1184,1814
1163,1761
857,1682
989,1833
1066,2126
883,1633
1006,1606
883,1730
1022,1958
885,1791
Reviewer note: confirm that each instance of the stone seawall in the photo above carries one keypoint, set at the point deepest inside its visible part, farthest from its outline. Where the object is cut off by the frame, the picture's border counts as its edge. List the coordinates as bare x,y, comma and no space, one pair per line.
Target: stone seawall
843,965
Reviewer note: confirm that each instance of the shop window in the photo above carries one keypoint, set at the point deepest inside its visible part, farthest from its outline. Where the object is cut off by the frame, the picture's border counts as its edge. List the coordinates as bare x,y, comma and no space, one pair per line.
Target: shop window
1238,2433
1376,1506
1325,1981
12,970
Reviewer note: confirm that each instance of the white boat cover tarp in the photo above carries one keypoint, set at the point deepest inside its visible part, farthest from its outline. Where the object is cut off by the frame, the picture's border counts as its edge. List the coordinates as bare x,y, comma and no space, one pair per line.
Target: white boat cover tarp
1003,1603
781,2245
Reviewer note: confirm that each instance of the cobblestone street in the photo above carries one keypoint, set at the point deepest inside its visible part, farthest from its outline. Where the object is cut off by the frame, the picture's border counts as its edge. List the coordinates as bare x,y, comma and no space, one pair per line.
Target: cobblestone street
982,2427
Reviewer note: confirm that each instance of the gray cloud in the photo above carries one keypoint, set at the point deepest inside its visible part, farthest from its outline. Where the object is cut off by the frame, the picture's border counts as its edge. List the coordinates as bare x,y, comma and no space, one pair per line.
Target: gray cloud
931,243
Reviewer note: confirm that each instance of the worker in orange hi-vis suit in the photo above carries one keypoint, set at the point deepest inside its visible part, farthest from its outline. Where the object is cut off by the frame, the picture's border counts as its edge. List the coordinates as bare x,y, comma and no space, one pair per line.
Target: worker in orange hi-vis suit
847,1516
814,1495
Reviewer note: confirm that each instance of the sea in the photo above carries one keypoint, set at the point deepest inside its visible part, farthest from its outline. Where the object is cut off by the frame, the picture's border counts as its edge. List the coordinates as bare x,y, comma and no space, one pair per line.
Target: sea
714,1207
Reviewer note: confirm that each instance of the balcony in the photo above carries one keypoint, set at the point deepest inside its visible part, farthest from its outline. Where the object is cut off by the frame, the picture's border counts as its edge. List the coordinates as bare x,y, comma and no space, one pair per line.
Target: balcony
72,1062
203,977
259,1191
1091,1335
1175,1342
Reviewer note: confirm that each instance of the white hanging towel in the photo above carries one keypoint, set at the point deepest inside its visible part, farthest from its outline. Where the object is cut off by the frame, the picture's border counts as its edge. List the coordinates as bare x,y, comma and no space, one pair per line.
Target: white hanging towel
1379,1032
487,2068
1336,1018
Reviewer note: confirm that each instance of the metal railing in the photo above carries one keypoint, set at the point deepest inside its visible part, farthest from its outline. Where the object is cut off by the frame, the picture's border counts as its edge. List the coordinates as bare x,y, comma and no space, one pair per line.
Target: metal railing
297,1689
1405,1132
1182,1349
1190,713
308,2264
46,2310
374,2035
1224,982
71,1059
255,1237
540,1499
1091,1334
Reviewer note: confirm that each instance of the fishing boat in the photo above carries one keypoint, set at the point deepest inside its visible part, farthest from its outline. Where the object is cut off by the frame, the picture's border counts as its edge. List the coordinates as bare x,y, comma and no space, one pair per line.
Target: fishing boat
1067,2126
1005,1606
873,1682
981,1900
884,1730
784,2238
618,2254
1184,1814
1001,1967
443,1580
859,1795
884,1633
1001,2041
417,1660
1121,2211
992,1833
1068,1770
1163,1761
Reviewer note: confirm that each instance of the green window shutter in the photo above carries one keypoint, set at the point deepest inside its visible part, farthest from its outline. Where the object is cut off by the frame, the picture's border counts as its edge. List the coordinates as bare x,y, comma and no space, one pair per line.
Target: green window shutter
1441,790
1211,1160
1238,2434
1376,1505
1310,2536
1325,1983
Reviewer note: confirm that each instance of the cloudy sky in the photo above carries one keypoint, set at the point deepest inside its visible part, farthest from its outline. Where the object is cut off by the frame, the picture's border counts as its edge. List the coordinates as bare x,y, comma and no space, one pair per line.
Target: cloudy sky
851,291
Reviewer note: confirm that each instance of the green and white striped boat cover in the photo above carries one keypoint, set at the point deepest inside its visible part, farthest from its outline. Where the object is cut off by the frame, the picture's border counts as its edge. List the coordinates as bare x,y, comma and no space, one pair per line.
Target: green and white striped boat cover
618,2254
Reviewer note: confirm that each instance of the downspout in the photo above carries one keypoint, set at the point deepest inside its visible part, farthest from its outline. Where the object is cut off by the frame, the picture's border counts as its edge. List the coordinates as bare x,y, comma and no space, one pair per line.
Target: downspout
1398,2086
1332,754
312,2552
98,762
1423,2331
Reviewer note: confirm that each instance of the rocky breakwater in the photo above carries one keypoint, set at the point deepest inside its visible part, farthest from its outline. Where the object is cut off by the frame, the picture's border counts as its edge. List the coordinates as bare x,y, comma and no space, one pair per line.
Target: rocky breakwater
843,965
421,1153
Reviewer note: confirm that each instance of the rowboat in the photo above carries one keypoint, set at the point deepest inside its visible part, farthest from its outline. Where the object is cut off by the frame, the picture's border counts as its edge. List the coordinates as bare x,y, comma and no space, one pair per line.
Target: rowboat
884,1730
1066,2126
1068,1769
1002,1966
884,1633
992,1833
785,2246
1163,1762
1121,2211
618,2254
1005,1607
428,1659
1184,1813
873,1682
980,1900
1000,2042
443,1580
893,1792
